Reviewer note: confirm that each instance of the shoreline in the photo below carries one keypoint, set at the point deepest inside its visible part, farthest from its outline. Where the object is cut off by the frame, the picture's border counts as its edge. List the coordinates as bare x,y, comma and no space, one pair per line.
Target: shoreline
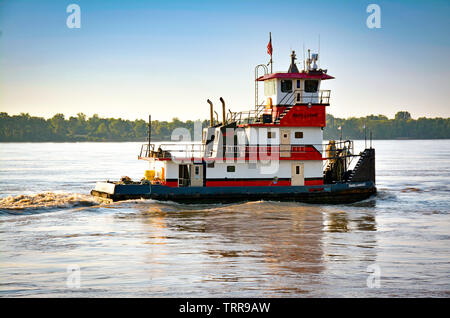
164,141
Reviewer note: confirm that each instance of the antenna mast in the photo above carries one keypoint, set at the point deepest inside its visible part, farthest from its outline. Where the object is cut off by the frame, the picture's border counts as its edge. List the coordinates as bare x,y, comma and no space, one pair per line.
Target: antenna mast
304,62
149,136
318,53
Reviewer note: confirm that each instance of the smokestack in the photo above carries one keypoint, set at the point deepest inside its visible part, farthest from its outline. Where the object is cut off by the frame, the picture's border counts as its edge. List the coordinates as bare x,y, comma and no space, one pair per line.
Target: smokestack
223,111
211,111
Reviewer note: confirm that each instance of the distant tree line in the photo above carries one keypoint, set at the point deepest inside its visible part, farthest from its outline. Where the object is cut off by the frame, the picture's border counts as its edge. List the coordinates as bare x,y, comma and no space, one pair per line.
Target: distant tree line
402,126
23,127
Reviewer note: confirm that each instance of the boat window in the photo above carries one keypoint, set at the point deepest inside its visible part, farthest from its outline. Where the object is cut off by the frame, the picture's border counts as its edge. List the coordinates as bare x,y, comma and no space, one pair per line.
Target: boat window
286,86
270,134
197,170
297,169
298,83
269,87
298,134
211,164
311,86
231,168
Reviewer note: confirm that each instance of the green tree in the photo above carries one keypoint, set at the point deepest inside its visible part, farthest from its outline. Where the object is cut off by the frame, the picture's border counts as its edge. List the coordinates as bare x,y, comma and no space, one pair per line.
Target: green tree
403,115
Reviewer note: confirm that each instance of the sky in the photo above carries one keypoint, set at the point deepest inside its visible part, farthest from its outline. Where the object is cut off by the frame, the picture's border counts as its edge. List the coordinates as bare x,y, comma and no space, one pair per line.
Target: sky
133,58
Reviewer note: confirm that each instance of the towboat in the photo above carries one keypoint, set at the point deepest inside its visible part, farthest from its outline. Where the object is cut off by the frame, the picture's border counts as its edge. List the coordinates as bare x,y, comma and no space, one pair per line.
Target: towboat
274,151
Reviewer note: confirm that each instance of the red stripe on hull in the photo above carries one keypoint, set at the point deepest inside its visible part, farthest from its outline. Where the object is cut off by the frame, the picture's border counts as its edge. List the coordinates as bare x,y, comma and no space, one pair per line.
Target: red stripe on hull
258,183
172,184
314,182
247,183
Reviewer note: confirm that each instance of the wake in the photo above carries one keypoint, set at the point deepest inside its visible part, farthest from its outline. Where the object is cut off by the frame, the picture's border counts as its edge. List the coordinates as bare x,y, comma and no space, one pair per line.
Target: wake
47,200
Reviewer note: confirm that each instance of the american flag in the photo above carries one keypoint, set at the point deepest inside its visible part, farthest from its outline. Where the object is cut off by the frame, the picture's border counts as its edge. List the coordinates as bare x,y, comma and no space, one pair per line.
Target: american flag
269,46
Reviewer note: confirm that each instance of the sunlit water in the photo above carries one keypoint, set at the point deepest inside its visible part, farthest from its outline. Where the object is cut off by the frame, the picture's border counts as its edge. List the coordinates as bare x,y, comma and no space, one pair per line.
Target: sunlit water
49,224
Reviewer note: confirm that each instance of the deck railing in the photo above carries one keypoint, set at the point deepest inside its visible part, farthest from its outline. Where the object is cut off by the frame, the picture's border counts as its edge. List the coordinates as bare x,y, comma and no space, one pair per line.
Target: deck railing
321,97
196,150
163,151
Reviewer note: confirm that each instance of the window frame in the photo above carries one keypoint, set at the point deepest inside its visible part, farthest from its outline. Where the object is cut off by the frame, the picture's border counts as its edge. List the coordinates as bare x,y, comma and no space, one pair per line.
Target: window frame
298,132
231,169
307,88
269,87
283,86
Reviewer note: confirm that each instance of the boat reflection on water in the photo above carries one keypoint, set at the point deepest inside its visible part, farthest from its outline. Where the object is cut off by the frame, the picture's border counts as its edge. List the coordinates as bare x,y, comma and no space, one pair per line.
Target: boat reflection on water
245,249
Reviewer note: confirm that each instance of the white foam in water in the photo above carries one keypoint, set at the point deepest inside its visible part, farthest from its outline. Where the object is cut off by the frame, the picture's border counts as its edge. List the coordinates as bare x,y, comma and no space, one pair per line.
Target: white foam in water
47,200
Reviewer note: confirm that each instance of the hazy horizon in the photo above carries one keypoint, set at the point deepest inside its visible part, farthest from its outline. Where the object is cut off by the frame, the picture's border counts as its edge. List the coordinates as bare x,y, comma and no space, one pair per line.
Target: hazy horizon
130,59
145,117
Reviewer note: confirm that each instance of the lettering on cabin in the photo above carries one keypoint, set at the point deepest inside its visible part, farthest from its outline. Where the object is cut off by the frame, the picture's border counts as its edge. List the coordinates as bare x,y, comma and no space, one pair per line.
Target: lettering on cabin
305,116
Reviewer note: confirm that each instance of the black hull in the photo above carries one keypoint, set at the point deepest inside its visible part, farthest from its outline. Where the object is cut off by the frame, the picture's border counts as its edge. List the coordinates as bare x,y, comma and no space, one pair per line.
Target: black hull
328,194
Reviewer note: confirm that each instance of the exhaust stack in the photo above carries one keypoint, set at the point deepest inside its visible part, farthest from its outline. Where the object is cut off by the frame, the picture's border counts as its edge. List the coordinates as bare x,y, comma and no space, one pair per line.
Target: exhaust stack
223,111
211,113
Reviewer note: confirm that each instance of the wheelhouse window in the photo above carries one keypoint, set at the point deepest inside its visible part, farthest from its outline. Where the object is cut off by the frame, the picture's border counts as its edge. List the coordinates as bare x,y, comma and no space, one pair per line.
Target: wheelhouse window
286,86
231,168
299,134
269,87
311,86
298,83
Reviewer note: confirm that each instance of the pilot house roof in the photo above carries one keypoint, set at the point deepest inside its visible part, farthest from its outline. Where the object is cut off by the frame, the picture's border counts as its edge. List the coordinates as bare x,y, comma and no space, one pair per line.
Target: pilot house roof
302,75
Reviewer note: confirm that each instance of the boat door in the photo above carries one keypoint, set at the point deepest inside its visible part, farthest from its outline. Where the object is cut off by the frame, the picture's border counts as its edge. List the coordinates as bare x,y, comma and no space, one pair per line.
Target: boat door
196,175
183,176
298,173
285,143
297,93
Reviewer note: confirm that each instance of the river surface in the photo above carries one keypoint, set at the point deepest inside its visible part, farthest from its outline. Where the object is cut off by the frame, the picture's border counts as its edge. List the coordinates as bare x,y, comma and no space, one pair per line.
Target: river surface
58,241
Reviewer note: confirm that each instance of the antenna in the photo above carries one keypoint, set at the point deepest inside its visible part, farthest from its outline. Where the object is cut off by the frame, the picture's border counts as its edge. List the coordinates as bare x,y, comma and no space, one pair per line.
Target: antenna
149,132
304,67
318,58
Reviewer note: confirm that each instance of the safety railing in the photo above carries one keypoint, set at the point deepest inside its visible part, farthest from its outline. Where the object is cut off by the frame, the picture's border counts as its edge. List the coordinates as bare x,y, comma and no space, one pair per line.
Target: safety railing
246,117
166,151
321,97
196,150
